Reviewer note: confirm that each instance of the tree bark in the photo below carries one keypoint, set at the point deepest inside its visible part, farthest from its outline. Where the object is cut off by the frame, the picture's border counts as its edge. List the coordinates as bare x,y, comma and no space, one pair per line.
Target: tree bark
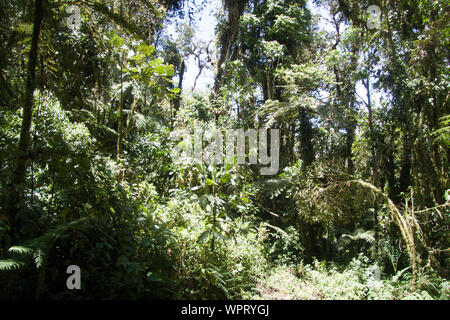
120,131
17,184
234,8
306,139
373,167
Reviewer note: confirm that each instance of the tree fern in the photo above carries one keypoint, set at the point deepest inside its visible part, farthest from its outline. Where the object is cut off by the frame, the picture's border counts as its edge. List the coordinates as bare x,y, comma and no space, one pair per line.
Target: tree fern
358,234
7,265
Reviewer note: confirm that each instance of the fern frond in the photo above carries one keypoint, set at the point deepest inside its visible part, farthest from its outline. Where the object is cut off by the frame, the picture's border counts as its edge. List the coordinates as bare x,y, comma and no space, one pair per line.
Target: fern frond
281,231
10,265
274,187
39,257
21,250
361,234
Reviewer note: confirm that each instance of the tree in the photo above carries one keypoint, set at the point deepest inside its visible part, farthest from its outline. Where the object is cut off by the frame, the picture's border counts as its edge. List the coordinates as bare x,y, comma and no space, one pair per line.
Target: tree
15,190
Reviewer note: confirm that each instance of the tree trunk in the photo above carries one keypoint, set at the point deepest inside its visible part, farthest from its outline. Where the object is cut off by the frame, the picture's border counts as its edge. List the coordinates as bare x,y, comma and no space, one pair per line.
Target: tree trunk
120,124
373,168
306,139
228,37
17,184
177,101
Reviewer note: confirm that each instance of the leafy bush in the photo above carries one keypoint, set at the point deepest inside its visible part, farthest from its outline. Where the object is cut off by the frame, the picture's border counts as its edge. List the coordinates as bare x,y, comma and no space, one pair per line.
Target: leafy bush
227,272
326,281
284,247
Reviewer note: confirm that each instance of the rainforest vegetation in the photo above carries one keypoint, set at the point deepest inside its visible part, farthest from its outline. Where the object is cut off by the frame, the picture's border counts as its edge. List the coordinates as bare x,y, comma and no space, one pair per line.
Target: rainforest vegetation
91,93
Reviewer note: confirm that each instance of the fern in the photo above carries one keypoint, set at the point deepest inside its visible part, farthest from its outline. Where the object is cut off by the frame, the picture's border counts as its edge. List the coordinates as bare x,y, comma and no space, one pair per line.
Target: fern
21,250
281,231
400,273
394,256
39,257
443,134
7,265
37,246
275,187
358,234
361,234
393,252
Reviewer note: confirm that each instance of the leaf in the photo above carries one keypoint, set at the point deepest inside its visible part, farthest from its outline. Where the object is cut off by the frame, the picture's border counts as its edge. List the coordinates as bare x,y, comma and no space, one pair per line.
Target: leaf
146,50
400,273
39,257
137,57
170,71
21,250
219,236
226,177
212,199
117,41
281,231
161,70
203,236
361,234
153,277
203,201
10,265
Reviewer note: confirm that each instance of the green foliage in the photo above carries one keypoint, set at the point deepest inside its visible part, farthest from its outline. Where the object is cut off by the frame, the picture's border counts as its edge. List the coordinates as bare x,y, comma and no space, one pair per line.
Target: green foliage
21,250
231,269
358,241
443,134
322,281
364,129
37,254
393,252
9,265
284,246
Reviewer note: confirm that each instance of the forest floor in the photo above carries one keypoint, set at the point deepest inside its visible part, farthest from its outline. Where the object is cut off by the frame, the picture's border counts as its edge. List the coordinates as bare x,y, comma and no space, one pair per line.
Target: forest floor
289,288
283,284
328,283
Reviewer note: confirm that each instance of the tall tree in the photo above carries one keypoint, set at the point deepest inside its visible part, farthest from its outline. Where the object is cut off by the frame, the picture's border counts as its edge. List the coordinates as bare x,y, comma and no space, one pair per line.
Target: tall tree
17,184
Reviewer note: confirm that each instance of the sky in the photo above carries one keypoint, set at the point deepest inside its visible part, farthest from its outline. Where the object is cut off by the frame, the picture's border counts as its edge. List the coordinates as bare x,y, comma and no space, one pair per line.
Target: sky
205,30
205,23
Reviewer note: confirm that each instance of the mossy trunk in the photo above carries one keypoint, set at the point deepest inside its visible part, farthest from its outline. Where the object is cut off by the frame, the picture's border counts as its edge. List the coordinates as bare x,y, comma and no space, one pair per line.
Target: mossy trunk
17,184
